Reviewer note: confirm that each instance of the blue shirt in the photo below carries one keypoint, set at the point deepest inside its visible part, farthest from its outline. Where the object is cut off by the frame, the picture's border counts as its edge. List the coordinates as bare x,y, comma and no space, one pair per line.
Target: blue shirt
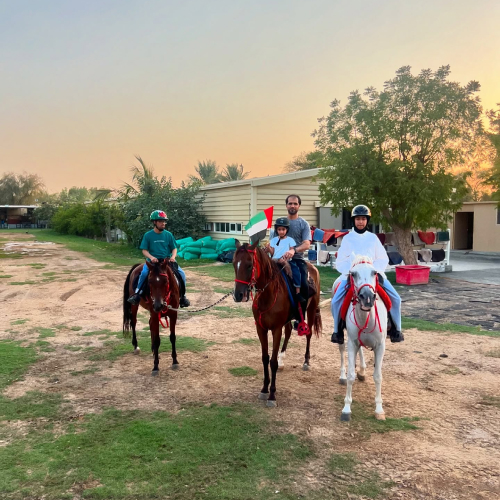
283,247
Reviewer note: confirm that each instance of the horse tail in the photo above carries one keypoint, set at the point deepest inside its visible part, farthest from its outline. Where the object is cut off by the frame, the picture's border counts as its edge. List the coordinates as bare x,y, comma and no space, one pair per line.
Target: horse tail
317,326
127,307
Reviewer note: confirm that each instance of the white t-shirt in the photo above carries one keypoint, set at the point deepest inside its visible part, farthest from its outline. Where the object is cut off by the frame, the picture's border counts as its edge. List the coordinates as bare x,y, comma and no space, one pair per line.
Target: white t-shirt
366,244
283,247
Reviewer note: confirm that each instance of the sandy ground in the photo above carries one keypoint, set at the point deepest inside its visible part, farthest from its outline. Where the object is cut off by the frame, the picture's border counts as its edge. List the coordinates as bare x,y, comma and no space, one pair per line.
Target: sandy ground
454,455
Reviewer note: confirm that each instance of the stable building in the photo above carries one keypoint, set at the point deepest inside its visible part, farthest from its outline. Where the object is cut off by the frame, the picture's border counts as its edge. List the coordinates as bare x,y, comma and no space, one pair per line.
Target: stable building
17,216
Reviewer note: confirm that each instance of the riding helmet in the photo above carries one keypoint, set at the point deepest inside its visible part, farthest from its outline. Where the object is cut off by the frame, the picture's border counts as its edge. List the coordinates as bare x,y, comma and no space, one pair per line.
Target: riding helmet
361,211
158,215
282,222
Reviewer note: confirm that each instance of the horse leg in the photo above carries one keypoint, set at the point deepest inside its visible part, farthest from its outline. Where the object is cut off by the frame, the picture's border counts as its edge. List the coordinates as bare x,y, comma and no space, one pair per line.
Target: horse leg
377,378
307,356
362,366
351,375
282,354
154,326
133,322
271,402
265,362
173,321
343,373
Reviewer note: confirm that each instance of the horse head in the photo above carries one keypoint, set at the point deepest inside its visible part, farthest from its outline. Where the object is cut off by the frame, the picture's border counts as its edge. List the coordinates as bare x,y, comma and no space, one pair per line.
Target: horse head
244,270
364,280
159,285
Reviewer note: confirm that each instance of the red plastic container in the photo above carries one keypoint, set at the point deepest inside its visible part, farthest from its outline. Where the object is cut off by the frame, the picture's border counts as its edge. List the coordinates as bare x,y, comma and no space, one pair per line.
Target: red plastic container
412,275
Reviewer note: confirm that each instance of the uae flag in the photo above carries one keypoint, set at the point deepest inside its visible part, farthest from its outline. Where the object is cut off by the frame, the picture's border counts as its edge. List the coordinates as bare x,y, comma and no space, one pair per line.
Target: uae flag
259,224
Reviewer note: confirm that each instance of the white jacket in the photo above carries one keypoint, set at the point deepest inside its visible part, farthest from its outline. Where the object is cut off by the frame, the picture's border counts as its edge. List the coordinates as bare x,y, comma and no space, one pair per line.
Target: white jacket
366,244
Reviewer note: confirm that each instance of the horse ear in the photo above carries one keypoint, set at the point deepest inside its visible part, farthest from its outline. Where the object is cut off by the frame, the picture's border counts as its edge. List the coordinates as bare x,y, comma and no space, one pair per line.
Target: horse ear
254,245
238,244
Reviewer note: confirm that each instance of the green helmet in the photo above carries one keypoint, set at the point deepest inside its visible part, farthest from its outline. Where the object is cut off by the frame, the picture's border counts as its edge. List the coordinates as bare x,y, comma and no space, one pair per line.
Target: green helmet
158,215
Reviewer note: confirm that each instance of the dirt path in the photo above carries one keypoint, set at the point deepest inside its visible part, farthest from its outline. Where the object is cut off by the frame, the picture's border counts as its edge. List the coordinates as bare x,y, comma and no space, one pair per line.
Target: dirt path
455,453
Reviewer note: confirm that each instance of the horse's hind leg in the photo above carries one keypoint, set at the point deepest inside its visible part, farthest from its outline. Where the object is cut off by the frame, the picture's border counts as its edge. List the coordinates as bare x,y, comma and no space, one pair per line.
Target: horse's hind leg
282,354
343,373
264,393
351,375
377,377
173,321
307,356
362,366
271,402
133,323
154,326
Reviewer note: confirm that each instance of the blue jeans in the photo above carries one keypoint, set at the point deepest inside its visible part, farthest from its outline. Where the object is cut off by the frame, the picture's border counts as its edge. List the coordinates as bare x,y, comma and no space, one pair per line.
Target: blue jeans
338,298
144,276
295,273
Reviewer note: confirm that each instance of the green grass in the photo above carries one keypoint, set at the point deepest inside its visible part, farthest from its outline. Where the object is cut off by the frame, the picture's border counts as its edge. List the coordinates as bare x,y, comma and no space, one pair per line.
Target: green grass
246,341
342,462
73,347
200,452
490,401
22,282
243,371
14,361
43,346
452,370
87,371
37,265
75,328
116,348
225,312
31,405
219,289
10,255
222,272
19,321
421,324
49,274
494,353
45,332
373,487
99,332
6,275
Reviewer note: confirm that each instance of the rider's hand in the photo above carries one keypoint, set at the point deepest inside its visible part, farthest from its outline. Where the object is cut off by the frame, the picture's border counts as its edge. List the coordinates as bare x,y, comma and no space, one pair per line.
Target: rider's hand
154,260
289,254
171,259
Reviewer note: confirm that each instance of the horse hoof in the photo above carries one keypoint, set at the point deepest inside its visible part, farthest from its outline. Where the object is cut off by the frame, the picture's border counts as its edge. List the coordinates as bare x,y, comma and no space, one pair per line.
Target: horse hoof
342,381
175,366
155,373
271,404
305,367
379,416
281,368
361,378
137,350
345,417
263,396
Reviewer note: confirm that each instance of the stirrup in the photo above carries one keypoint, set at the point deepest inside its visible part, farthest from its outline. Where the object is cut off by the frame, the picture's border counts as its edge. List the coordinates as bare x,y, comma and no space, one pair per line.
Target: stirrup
134,299
184,302
396,336
303,327
338,337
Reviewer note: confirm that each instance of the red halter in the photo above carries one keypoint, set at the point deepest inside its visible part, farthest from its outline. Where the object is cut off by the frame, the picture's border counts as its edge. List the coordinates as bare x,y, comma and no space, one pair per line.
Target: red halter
165,309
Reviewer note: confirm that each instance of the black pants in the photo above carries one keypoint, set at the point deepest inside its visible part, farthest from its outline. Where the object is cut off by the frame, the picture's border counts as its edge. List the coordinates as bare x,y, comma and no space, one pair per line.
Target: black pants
304,287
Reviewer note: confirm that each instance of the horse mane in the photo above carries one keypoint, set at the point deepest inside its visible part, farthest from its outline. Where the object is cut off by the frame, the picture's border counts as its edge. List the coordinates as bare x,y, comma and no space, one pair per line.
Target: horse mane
361,259
269,266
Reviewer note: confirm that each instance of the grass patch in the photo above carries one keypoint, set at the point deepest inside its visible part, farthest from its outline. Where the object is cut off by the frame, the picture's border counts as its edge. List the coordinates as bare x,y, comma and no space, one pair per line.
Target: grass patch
200,452
32,405
113,349
75,328
10,255
22,282
421,324
452,370
219,289
86,371
37,265
225,312
73,348
494,353
222,272
372,487
490,401
43,346
243,371
45,332
51,273
98,332
246,341
19,321
14,361
6,275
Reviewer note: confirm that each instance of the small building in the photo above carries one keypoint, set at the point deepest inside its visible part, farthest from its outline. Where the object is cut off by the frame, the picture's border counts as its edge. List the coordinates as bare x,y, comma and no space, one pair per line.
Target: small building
17,216
476,226
229,206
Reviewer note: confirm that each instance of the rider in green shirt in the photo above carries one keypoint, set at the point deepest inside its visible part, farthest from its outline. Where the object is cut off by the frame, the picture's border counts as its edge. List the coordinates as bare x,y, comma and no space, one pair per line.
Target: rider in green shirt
158,244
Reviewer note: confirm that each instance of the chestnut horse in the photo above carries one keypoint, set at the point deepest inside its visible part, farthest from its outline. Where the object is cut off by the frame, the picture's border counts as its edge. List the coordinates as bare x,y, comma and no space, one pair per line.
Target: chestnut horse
163,295
272,309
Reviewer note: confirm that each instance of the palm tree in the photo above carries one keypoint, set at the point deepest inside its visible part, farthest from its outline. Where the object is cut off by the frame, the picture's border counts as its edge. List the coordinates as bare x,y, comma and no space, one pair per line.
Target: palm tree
208,173
143,179
233,172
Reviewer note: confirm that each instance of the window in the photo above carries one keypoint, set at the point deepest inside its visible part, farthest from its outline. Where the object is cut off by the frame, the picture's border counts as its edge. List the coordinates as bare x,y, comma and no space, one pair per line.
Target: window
498,216
224,227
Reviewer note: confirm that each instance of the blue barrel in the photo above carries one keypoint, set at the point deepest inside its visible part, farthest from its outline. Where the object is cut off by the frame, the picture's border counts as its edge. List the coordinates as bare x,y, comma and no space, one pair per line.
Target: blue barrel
318,235
312,255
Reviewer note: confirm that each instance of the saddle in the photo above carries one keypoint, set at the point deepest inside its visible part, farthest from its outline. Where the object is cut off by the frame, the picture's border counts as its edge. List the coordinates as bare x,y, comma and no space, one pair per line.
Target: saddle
180,282
350,295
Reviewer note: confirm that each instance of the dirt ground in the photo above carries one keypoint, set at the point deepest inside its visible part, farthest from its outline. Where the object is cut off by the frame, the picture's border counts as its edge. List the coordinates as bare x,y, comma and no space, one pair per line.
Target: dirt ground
455,453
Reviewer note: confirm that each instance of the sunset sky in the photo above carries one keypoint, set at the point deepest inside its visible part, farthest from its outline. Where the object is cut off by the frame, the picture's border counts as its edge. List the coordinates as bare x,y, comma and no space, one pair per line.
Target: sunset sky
87,84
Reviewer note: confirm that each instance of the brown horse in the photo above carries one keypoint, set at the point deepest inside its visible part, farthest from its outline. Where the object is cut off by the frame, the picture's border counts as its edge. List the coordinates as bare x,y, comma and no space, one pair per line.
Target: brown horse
163,295
272,308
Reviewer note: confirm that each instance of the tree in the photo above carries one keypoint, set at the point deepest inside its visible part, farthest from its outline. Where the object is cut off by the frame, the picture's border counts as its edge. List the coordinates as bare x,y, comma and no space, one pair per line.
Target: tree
208,173
20,189
233,172
492,177
393,151
304,161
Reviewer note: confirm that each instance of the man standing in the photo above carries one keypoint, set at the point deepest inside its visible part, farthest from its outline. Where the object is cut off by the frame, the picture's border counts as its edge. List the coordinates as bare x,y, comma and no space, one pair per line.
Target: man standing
301,233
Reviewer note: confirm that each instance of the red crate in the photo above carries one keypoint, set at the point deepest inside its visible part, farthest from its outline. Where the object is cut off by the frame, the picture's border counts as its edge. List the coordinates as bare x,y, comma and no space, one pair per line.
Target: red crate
412,275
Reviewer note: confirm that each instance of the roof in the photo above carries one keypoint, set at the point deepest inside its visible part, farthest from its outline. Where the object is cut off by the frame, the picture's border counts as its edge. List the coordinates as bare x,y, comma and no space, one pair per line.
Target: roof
261,181
19,206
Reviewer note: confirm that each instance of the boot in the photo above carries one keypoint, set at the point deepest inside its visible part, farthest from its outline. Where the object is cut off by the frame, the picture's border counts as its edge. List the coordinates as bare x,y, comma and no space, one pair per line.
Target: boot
395,335
184,302
134,299
338,337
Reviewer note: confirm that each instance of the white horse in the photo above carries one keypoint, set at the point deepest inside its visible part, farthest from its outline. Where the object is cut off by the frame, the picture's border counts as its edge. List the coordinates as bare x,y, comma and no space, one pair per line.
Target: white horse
366,323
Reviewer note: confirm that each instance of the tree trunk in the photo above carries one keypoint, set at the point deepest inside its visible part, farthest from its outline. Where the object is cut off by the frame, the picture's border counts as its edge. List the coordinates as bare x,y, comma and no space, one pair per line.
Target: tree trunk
403,239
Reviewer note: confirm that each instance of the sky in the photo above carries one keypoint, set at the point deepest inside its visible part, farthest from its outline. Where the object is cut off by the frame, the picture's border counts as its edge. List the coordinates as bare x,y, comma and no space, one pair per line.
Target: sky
85,85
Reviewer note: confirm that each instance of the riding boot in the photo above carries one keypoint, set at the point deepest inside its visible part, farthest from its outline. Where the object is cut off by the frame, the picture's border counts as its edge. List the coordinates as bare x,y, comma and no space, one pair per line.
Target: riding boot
338,337
135,298
184,302
394,334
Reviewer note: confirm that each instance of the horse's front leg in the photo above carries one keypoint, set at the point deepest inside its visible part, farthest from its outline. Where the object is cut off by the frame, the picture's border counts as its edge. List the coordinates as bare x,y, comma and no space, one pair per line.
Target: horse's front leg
133,323
173,321
154,326
282,354
343,373
377,378
352,351
271,402
307,356
362,366
262,333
